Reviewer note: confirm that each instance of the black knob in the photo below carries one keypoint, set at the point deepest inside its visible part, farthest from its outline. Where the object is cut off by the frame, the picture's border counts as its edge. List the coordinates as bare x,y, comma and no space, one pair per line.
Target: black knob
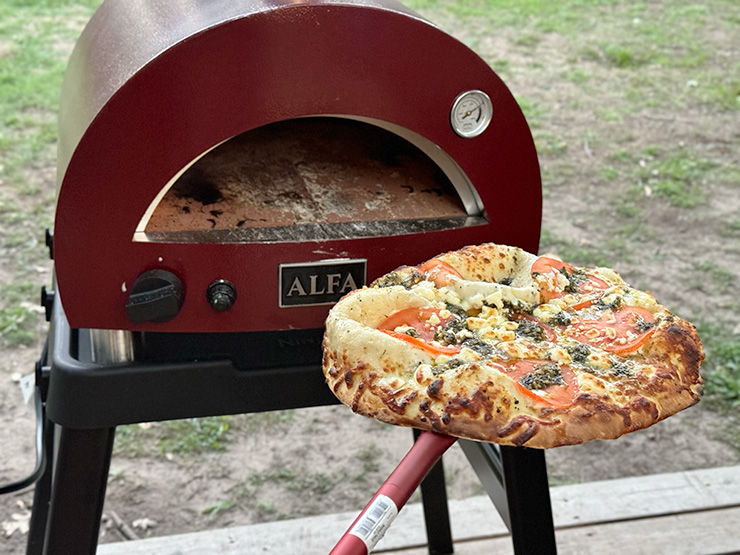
156,296
47,301
221,295
49,241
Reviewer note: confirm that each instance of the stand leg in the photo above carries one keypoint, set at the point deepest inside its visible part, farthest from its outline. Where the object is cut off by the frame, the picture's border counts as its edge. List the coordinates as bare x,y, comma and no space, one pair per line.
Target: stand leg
78,486
525,478
515,479
42,496
436,513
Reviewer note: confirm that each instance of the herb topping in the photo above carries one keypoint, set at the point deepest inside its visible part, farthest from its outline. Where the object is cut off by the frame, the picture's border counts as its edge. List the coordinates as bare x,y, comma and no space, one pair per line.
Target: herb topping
543,376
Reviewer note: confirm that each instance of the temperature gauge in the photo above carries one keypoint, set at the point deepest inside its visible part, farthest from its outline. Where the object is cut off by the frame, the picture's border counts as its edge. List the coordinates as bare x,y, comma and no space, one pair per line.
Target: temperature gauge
471,113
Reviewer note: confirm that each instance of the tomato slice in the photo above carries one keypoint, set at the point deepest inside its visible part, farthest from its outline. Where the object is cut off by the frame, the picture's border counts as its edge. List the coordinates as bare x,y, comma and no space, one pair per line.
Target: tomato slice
545,265
619,332
592,284
439,272
425,320
561,395
421,344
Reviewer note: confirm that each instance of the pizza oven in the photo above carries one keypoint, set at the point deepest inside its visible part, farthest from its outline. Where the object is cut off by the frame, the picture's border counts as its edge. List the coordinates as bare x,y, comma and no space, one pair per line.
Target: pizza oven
227,170
261,149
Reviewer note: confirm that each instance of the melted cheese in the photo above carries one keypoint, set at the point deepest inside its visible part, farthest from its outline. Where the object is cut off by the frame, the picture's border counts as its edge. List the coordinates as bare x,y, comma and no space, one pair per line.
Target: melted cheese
474,294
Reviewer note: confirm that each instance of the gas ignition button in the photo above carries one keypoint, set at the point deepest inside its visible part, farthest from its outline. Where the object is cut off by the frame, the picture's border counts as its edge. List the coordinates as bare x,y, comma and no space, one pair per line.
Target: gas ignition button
221,295
156,296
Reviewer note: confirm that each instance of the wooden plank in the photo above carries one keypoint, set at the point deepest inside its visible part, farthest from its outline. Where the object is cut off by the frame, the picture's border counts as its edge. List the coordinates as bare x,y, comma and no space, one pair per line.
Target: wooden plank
574,507
701,533
654,495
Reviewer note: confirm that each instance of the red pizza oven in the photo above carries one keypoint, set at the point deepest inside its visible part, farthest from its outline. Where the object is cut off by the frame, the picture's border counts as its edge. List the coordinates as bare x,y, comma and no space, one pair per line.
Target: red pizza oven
227,170
238,165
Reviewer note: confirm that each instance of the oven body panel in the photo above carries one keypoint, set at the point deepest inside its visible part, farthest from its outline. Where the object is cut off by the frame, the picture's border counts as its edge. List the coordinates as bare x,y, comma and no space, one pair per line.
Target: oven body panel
133,117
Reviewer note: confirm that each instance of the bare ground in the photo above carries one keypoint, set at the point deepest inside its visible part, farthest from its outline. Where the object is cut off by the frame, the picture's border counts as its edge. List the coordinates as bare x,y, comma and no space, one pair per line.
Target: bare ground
323,460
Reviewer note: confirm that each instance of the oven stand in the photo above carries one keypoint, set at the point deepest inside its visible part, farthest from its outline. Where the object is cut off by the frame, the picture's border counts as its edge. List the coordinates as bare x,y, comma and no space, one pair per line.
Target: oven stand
84,401
515,478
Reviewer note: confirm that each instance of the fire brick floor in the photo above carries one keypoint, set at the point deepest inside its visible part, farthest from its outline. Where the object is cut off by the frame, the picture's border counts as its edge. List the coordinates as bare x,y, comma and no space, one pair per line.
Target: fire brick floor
693,513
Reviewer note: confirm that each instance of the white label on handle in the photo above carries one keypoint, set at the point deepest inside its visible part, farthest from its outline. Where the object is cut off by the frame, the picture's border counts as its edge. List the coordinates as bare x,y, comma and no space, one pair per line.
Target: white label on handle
374,522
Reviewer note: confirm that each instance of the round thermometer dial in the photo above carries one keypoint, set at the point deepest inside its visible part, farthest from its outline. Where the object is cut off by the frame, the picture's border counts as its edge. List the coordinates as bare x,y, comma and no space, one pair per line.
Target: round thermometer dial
471,113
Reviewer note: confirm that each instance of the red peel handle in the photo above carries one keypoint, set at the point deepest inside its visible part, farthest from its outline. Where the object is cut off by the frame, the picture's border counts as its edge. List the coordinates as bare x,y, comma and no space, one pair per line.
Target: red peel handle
399,486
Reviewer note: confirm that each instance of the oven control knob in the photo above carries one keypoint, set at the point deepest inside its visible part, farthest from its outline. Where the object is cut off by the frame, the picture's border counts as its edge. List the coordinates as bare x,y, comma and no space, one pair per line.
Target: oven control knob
221,295
156,296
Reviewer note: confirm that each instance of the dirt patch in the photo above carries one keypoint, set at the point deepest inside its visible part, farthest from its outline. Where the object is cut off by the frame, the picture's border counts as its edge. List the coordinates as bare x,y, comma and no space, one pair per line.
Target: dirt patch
609,136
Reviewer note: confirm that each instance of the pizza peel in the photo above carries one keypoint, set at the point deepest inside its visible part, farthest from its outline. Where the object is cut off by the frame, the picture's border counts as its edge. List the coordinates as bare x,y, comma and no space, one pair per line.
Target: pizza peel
377,516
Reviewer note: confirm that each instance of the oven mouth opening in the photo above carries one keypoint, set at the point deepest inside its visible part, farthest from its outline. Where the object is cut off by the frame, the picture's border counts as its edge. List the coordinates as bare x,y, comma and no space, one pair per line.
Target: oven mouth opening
310,179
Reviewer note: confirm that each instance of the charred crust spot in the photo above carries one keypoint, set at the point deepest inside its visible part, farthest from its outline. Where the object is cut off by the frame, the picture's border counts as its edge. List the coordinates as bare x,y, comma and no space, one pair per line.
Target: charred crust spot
434,388
395,406
474,406
445,418
358,395
643,405
527,434
626,417
515,425
348,378
428,414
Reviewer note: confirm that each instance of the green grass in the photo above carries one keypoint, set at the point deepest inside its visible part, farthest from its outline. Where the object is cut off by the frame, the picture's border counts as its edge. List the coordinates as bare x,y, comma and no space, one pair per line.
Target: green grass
19,316
194,436
261,421
369,461
533,111
542,15
580,255
719,278
36,37
316,483
246,495
678,176
721,369
653,54
190,436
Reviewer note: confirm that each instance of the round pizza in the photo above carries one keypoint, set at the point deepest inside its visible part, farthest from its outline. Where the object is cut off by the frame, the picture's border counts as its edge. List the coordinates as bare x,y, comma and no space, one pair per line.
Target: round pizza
493,343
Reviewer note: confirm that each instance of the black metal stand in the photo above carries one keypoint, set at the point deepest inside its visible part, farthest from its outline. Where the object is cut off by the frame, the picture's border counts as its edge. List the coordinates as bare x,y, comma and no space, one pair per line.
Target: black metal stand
78,490
42,495
85,401
515,479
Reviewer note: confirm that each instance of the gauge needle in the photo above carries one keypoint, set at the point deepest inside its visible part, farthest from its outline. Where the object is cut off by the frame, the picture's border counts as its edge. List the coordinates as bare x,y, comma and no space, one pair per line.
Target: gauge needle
470,112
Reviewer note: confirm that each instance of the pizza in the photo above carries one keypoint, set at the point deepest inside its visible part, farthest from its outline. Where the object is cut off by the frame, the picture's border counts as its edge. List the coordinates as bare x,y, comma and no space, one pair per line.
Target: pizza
495,344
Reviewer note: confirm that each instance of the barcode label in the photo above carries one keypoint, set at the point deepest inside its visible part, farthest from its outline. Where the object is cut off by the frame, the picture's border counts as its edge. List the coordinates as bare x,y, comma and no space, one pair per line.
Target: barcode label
375,521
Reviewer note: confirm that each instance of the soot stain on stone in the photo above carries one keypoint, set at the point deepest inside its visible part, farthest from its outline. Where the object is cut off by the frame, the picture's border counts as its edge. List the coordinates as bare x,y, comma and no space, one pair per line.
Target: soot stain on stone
195,185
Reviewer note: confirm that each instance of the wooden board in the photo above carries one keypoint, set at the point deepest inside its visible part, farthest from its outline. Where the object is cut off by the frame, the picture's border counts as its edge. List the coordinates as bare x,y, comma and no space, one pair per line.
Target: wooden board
634,514
702,533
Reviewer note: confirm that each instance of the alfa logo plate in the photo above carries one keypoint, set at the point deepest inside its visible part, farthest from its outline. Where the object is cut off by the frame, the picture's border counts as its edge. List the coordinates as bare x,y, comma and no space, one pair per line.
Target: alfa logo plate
320,283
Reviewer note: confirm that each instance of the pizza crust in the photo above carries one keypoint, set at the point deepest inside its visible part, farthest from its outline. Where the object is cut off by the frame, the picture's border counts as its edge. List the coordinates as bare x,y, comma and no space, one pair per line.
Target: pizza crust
393,381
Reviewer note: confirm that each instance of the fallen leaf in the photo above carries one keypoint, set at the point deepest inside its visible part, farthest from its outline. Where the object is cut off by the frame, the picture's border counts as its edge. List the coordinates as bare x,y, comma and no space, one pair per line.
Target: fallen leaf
20,523
144,523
